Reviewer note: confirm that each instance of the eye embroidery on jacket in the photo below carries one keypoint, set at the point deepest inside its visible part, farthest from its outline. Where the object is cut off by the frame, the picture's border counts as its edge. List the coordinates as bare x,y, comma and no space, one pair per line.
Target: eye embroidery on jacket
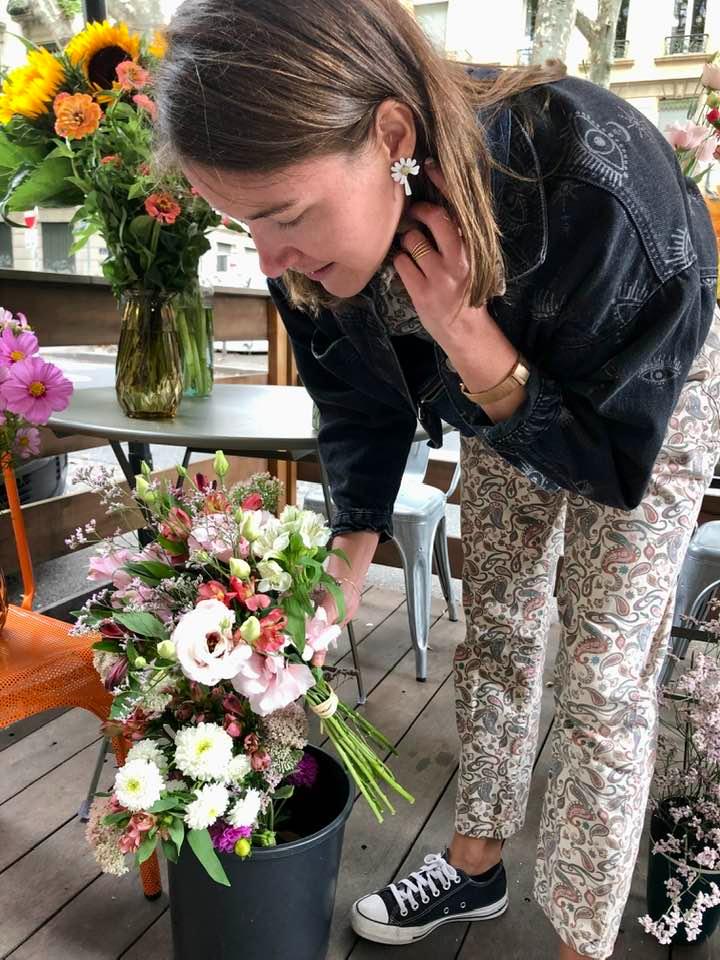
663,371
602,148
681,252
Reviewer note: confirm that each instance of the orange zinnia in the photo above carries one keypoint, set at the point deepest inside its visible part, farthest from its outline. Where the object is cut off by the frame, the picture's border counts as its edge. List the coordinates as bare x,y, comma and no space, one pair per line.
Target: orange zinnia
163,207
76,116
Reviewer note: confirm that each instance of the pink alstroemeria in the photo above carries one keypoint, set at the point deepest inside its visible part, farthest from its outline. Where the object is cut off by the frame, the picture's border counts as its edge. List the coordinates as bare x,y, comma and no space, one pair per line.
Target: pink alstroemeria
319,634
15,347
27,442
103,566
270,683
36,389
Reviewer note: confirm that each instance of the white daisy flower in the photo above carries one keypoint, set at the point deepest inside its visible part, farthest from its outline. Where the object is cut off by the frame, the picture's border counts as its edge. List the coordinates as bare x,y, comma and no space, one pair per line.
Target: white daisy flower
203,752
210,803
148,750
245,812
138,784
239,768
403,168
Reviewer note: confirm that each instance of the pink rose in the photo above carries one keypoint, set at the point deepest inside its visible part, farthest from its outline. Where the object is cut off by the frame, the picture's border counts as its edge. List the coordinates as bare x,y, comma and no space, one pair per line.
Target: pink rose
711,76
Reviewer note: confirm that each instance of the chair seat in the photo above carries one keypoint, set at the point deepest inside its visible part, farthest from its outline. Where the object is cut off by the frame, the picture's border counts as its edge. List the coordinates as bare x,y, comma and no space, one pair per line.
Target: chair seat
416,502
42,667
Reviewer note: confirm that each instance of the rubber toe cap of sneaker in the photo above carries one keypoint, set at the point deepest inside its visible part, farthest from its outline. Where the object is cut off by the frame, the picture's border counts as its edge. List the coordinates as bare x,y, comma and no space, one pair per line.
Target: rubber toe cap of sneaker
372,907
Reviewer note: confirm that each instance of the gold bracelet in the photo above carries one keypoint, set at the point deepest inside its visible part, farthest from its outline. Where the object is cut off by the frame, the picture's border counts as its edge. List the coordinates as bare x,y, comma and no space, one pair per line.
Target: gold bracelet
518,377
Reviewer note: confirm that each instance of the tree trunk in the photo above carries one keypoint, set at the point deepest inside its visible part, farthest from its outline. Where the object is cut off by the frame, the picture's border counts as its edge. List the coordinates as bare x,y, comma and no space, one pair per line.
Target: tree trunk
553,25
600,35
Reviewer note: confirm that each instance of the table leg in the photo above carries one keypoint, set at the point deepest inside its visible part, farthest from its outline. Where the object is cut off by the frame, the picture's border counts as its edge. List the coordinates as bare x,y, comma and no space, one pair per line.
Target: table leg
131,466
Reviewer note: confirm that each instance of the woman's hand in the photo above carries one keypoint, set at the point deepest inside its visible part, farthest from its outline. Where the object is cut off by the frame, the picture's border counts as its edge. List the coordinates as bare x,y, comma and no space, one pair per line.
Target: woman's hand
351,592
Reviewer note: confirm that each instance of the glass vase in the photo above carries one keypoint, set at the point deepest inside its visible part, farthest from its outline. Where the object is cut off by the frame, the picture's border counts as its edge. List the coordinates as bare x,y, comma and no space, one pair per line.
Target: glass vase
194,316
148,370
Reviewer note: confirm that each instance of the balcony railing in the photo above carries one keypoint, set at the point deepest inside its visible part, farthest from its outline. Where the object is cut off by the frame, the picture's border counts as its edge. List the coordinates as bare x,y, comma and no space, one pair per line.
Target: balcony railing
524,56
687,43
620,50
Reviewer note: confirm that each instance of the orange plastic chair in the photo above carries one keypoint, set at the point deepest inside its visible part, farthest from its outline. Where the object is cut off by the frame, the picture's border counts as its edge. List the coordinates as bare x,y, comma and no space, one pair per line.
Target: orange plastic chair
43,667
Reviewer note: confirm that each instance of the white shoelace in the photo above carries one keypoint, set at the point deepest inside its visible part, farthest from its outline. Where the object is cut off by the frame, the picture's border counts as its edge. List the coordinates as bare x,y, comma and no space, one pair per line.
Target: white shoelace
436,868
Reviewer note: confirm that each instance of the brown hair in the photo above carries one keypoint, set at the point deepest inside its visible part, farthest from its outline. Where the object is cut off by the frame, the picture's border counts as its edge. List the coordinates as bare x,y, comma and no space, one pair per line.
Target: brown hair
256,85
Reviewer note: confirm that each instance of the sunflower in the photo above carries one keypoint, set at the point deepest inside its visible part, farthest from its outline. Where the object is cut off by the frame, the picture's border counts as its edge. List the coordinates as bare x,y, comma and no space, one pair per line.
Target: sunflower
29,90
99,48
158,47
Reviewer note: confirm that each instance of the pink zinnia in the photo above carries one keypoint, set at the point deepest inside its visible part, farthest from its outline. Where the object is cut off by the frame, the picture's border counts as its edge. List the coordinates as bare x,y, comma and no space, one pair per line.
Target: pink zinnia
163,207
36,389
131,75
143,101
15,347
27,442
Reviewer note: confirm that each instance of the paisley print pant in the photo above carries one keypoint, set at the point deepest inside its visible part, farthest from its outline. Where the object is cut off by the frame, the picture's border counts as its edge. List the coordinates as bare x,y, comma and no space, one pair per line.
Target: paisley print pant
615,602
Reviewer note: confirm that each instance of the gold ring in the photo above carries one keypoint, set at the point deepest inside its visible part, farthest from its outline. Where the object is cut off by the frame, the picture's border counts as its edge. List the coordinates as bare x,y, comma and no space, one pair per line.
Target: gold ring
420,249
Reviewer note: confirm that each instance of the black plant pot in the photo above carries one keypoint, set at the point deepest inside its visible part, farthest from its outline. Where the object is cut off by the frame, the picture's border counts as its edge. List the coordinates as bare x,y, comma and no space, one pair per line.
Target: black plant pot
280,902
662,868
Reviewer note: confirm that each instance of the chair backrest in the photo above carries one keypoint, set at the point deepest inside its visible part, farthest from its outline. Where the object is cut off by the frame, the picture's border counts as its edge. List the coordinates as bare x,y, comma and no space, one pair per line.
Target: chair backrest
18,524
417,461
701,608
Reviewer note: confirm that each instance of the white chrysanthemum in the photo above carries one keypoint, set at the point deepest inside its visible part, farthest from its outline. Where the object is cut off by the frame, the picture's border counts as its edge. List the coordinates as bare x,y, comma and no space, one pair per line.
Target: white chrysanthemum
148,750
239,768
138,784
245,812
273,577
203,752
210,803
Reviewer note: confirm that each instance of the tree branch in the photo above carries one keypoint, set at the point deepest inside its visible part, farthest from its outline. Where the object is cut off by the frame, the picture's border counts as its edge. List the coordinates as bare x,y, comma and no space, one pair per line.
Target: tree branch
585,25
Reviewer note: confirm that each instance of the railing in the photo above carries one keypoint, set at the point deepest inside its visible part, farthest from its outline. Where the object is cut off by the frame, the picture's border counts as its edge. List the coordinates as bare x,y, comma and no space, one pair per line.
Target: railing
524,56
620,49
686,43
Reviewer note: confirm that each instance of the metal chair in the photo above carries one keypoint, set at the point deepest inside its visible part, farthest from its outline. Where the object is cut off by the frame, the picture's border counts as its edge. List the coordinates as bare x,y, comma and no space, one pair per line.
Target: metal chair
420,534
698,610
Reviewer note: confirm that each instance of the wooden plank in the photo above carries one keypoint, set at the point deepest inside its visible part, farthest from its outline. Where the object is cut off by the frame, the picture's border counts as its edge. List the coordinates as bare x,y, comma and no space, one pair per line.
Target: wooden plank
33,757
50,522
12,734
709,950
154,944
46,805
66,310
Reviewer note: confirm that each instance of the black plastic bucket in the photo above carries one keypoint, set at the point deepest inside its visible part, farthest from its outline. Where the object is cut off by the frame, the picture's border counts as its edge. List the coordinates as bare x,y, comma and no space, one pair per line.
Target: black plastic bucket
280,902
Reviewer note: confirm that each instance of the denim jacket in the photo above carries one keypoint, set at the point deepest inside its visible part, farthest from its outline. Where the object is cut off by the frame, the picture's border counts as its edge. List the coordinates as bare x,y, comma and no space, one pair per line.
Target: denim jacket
611,267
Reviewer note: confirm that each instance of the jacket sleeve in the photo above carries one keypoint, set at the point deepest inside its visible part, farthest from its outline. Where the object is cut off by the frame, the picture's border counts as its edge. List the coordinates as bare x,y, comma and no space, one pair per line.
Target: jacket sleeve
599,432
364,444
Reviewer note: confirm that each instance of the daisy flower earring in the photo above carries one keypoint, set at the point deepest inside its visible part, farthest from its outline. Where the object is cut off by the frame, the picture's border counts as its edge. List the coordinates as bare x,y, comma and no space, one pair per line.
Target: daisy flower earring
401,169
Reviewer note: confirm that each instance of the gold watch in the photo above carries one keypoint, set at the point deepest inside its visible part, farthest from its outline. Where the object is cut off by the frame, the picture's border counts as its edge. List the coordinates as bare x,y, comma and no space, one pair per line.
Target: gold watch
518,377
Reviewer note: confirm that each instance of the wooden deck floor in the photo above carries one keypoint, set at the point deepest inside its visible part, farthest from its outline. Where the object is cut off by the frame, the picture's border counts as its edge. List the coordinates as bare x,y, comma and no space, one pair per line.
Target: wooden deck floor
55,905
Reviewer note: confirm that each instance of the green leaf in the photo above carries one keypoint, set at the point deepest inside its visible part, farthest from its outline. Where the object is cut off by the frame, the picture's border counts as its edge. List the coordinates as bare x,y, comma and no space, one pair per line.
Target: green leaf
202,847
13,154
170,851
62,150
338,597
338,552
176,549
177,832
142,227
109,646
152,569
144,624
137,190
284,793
165,803
146,848
45,186
113,818
296,629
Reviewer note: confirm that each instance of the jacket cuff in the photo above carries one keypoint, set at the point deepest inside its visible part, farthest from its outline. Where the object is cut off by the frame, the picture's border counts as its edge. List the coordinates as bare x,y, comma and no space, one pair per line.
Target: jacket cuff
359,518
537,412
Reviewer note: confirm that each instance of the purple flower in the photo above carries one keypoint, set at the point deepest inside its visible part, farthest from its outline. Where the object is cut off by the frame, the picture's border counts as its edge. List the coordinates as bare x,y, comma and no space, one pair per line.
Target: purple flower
36,389
224,837
27,442
305,773
15,347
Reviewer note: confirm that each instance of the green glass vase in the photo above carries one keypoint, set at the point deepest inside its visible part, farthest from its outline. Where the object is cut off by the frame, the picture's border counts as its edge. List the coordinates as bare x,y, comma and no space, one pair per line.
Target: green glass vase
148,370
194,316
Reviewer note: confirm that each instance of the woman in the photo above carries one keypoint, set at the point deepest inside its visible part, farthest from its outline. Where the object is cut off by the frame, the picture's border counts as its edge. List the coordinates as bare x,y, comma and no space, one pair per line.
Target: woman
519,255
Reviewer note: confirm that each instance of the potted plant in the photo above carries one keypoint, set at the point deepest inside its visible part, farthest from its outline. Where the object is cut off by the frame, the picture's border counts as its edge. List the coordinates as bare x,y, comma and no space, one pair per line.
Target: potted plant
683,883
76,129
207,640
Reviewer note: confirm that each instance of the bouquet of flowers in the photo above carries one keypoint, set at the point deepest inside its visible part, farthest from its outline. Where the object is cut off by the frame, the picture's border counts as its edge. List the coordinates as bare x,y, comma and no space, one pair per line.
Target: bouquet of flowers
30,389
696,140
686,799
207,640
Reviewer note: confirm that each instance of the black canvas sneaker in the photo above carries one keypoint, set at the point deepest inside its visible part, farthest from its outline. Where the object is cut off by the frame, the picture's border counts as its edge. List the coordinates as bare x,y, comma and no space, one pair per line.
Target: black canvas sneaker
437,893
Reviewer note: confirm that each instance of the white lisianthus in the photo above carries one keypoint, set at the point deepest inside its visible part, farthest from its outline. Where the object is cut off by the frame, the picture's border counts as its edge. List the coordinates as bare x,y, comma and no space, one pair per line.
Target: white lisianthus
272,540
245,812
149,750
239,568
138,784
203,752
210,803
205,645
273,577
239,768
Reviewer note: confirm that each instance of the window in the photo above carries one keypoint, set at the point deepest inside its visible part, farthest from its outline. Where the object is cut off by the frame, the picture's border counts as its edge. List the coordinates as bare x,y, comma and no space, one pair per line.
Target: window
432,17
531,8
6,247
621,44
688,28
56,242
223,252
